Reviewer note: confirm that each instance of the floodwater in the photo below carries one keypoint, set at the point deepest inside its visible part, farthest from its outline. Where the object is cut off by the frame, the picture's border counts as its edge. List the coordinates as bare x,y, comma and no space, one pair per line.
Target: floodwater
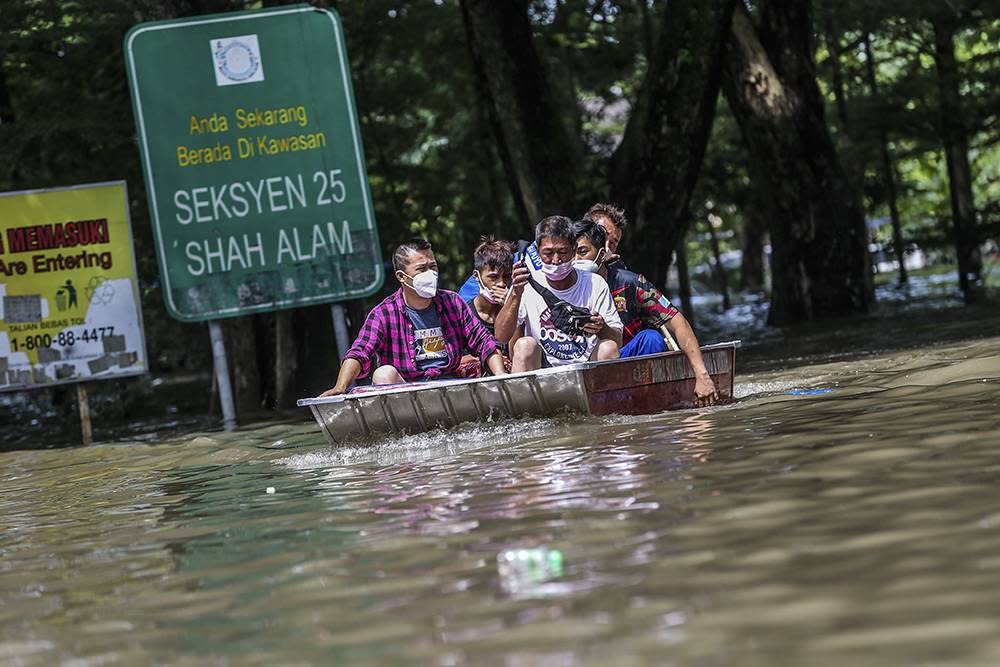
840,513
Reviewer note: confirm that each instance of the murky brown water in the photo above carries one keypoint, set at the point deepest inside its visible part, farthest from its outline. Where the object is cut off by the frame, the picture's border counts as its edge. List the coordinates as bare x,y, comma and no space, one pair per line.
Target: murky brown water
860,526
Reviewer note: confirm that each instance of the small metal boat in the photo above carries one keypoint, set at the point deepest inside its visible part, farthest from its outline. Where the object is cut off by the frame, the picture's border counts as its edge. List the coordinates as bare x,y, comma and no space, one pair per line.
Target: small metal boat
633,386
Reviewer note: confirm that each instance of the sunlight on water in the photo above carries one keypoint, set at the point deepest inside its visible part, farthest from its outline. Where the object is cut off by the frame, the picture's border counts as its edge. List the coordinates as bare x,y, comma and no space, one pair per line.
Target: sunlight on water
435,444
839,513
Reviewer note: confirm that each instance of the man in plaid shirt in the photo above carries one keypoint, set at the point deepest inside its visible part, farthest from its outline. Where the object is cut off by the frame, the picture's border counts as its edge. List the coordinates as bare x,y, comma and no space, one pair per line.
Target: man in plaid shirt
419,333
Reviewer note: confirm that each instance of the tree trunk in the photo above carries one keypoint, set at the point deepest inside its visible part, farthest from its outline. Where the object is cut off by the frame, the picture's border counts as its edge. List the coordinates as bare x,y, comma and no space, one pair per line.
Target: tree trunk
817,228
752,267
539,153
684,280
888,168
720,271
654,170
6,109
317,347
956,148
647,28
286,356
241,350
832,38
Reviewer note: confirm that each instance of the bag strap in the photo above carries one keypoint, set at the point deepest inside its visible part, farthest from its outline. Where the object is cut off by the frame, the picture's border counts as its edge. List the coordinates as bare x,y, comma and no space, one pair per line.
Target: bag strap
550,299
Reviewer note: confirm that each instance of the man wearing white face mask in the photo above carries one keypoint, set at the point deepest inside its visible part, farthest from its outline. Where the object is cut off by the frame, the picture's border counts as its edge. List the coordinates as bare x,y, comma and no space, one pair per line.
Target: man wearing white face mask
418,333
532,324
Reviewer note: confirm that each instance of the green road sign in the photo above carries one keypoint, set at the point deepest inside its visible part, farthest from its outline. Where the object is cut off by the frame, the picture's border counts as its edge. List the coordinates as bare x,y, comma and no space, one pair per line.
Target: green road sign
253,161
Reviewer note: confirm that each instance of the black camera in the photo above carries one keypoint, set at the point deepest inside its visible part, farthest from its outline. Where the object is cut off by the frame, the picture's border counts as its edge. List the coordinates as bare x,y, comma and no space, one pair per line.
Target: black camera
579,321
570,319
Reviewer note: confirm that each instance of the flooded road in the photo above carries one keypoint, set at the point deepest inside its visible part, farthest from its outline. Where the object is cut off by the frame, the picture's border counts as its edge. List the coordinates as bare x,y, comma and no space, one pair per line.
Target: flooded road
845,512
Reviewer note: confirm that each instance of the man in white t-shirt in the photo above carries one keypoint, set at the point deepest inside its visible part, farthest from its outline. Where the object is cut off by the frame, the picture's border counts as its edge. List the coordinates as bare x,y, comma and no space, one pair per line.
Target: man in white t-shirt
536,327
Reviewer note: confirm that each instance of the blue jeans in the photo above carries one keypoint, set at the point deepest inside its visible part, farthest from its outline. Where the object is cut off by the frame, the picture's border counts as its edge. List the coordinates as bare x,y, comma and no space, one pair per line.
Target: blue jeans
646,341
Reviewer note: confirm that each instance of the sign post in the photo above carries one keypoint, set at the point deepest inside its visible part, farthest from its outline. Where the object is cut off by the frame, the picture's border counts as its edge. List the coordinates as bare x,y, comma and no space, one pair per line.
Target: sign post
254,167
340,329
83,403
69,297
221,366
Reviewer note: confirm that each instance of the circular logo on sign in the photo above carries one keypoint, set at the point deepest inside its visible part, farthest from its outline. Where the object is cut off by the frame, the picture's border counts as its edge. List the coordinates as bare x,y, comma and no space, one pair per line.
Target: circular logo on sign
236,61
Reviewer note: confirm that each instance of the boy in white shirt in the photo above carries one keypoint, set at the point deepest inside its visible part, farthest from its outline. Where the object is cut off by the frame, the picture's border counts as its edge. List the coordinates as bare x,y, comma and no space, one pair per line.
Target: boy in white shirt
541,325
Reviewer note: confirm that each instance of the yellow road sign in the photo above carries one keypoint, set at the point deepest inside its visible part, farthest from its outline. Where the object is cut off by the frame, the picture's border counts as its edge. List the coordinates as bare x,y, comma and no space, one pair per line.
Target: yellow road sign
69,298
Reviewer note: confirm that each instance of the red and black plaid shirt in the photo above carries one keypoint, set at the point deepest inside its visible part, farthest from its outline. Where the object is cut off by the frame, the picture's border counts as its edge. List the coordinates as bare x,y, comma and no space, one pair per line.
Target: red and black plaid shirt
638,302
387,335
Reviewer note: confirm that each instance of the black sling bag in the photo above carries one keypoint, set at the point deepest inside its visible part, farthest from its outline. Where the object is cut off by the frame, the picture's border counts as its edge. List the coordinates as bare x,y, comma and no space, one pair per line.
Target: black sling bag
568,318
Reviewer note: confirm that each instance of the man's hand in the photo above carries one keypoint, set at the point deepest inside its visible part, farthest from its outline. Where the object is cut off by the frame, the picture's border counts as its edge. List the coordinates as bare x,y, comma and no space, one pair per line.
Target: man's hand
495,363
594,326
334,391
705,393
611,257
349,371
499,293
519,278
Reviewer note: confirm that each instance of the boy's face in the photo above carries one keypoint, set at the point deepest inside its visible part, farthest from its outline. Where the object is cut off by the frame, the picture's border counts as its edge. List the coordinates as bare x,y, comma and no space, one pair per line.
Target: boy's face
492,277
585,249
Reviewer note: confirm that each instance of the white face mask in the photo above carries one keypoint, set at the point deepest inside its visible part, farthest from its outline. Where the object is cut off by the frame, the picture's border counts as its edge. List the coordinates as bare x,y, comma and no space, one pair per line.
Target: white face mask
486,292
557,271
589,265
425,284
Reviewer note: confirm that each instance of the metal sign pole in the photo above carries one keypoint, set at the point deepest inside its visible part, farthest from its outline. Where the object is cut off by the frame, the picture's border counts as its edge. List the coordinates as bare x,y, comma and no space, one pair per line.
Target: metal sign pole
222,375
340,329
84,403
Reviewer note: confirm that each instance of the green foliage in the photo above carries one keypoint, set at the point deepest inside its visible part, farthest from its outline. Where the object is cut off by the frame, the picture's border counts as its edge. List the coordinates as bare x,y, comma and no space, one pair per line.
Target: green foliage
432,158
65,76
905,107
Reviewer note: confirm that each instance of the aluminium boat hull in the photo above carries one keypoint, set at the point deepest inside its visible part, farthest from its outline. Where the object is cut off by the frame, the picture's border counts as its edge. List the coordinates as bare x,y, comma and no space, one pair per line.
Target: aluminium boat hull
632,386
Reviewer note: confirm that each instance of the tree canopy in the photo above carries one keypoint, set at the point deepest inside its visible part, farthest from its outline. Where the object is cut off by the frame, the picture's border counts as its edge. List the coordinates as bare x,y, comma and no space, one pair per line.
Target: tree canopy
776,125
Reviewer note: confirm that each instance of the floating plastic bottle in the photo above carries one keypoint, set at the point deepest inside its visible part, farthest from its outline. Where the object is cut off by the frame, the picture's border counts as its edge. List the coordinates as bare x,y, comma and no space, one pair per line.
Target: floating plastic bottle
523,569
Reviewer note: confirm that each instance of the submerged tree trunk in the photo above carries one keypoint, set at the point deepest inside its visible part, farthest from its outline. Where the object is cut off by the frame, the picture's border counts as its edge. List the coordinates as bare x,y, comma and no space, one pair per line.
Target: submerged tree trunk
817,227
684,281
541,156
888,168
241,350
720,270
286,356
752,266
956,148
654,170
